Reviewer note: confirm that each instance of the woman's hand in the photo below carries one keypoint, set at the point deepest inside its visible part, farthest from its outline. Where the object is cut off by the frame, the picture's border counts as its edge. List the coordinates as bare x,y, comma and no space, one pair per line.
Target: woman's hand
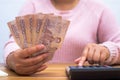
22,63
93,53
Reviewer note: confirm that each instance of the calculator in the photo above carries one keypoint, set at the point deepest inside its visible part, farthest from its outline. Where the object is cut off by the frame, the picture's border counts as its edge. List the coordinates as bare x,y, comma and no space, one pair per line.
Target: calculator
93,73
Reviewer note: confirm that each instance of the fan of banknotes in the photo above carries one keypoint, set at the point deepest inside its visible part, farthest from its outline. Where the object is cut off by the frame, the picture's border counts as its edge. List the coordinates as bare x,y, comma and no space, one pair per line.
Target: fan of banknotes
33,29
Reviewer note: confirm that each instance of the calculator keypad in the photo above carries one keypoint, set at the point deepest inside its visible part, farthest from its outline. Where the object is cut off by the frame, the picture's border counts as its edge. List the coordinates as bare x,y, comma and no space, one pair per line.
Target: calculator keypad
93,72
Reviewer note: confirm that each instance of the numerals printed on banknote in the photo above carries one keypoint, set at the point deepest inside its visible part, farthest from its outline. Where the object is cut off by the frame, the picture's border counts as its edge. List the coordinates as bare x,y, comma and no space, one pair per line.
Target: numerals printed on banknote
33,29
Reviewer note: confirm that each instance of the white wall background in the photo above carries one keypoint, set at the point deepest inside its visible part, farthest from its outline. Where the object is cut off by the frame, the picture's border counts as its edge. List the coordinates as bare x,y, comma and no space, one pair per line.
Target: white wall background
10,8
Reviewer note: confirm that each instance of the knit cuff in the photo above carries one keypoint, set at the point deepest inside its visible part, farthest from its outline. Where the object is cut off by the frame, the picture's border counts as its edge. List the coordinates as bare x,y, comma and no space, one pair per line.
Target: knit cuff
10,48
113,49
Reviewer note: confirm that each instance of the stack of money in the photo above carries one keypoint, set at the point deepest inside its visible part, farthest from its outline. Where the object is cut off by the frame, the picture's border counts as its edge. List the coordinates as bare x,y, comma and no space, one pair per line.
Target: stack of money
34,29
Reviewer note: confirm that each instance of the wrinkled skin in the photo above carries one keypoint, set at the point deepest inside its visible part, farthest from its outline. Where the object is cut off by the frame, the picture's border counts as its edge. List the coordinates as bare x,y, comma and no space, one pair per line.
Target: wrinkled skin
22,63
94,54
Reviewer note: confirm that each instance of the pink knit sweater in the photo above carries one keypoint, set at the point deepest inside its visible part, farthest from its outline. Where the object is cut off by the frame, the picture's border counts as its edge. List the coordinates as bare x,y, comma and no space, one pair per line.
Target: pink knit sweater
91,22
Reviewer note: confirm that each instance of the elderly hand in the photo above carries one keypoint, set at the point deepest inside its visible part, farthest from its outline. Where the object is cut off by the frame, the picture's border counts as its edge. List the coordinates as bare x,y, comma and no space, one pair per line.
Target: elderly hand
21,62
93,53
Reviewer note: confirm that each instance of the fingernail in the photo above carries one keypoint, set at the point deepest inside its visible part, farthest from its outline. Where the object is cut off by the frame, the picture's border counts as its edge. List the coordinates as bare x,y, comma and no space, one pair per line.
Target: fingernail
41,46
80,64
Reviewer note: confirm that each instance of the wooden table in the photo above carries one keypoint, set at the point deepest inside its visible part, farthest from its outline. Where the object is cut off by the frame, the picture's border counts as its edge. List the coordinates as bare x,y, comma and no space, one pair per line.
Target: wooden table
53,72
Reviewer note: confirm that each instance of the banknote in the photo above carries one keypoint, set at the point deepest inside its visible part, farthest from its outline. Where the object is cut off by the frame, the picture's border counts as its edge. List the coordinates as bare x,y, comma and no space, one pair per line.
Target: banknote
39,22
29,25
52,35
14,31
22,29
63,30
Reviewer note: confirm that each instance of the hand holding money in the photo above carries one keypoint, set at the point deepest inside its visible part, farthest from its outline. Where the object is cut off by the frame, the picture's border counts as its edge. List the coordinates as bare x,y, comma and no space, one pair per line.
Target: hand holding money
39,36
21,62
34,29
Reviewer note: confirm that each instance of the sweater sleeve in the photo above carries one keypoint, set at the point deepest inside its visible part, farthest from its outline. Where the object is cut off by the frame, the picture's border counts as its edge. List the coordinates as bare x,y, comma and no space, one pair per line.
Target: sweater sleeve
9,47
109,36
